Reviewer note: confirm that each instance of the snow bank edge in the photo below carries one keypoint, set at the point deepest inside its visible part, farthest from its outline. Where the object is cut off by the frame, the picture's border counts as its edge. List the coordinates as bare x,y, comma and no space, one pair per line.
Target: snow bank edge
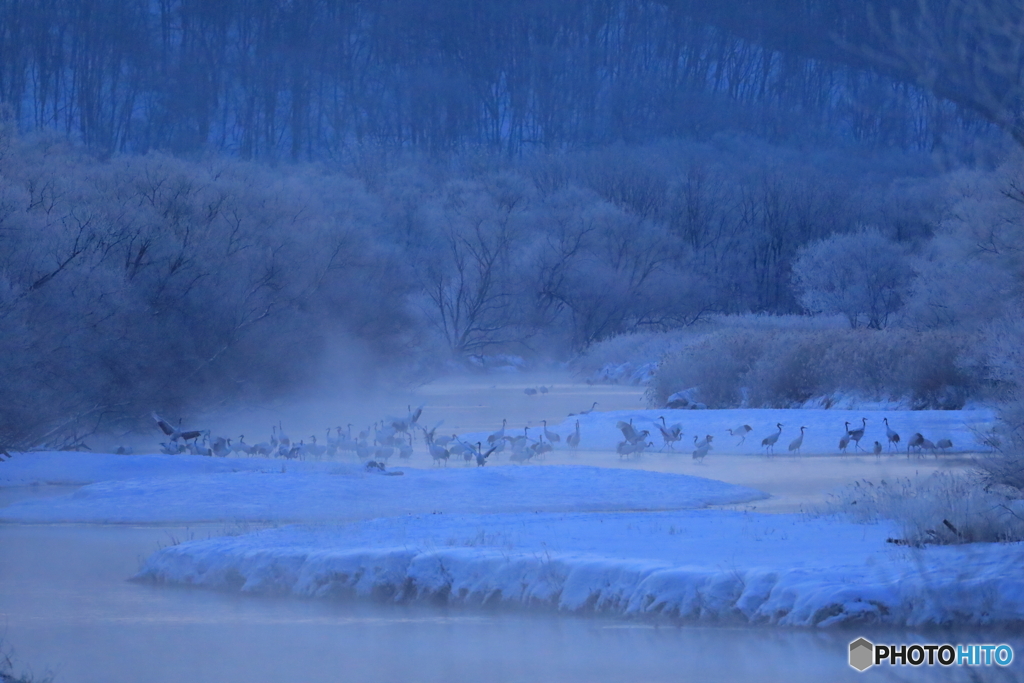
575,584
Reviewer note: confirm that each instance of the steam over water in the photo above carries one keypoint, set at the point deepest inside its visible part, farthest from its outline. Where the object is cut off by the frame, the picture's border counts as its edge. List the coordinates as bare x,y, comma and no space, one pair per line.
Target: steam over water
65,605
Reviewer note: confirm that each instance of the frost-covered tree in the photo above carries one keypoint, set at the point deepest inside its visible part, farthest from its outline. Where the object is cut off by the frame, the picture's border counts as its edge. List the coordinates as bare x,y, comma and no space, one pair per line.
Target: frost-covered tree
467,270
864,276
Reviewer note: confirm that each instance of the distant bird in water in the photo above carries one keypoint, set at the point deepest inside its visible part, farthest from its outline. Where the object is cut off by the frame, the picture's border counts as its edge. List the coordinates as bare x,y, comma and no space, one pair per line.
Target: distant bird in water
573,440
796,443
769,442
878,449
943,444
741,432
894,438
543,390
585,412
530,391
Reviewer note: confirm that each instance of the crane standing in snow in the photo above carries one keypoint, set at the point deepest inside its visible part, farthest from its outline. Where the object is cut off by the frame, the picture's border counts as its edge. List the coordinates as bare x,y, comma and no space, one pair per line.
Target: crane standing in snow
498,435
573,440
769,442
701,449
857,434
796,443
671,435
894,438
741,432
549,435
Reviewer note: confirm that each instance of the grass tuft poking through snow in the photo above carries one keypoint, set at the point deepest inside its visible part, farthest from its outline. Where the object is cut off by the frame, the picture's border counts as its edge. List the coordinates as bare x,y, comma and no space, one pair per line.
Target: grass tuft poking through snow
7,670
945,508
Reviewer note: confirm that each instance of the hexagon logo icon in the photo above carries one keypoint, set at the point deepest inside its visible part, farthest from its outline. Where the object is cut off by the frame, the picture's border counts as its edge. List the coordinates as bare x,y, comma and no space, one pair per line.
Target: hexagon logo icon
862,654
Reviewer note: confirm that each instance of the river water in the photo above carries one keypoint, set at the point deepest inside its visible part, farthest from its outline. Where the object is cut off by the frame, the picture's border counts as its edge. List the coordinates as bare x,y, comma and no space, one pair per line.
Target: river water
67,608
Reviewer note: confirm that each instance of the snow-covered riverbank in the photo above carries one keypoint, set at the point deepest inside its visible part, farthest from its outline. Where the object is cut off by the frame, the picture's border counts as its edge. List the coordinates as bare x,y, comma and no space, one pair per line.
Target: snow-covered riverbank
703,566
562,534
321,492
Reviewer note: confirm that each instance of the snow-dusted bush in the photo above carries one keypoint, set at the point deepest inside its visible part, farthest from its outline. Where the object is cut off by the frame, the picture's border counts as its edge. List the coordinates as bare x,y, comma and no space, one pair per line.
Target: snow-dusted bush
1003,366
642,348
942,508
716,364
786,368
864,276
134,283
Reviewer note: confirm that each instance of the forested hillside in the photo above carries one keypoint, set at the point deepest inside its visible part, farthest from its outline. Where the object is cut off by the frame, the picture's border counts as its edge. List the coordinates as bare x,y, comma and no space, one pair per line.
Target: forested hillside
207,202
311,79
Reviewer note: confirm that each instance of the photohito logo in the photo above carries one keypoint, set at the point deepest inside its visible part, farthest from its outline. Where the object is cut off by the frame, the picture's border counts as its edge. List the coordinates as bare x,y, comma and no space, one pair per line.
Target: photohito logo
865,654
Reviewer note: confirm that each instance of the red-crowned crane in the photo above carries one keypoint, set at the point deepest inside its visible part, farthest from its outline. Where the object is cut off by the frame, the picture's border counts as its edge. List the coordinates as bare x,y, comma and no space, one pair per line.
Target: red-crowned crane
769,442
573,440
796,443
894,438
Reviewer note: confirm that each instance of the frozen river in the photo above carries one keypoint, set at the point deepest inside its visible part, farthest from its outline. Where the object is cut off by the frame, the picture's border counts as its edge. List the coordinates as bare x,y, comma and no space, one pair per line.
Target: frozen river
65,607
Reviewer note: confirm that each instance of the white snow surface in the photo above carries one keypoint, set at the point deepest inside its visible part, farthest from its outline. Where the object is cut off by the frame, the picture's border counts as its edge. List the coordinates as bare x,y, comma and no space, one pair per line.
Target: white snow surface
571,538
697,565
259,490
72,468
825,427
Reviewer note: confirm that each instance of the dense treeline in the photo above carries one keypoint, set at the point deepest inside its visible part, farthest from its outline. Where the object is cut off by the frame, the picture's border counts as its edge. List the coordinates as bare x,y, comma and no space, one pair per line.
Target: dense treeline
475,177
153,281
311,79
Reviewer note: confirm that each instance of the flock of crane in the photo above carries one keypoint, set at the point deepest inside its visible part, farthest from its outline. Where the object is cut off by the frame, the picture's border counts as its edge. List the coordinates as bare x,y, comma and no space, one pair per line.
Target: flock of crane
636,442
375,445
394,436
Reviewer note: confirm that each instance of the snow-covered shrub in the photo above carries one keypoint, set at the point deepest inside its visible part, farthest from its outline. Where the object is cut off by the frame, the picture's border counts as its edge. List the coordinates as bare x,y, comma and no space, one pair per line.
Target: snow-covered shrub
716,365
943,508
863,276
785,368
1003,366
788,372
640,349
